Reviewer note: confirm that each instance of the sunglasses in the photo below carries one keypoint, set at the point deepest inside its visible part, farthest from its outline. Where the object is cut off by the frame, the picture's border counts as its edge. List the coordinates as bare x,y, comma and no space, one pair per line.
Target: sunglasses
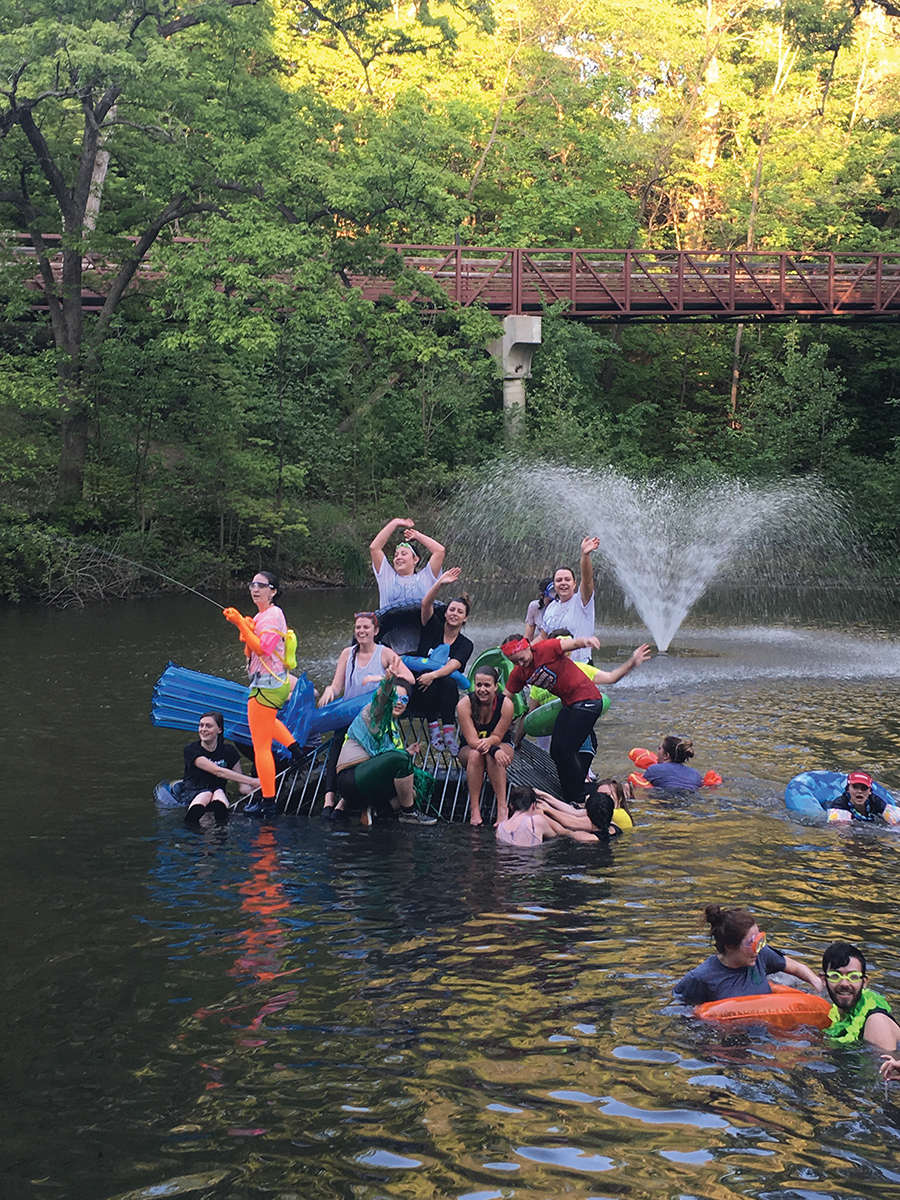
356,616
850,976
255,583
401,702
755,943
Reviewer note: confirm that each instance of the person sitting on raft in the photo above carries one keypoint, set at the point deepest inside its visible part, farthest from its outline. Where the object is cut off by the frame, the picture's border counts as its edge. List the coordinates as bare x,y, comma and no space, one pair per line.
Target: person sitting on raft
373,767
856,1011
573,607
593,823
858,802
671,770
271,683
526,825
360,668
484,721
742,962
435,694
399,584
207,763
534,613
545,665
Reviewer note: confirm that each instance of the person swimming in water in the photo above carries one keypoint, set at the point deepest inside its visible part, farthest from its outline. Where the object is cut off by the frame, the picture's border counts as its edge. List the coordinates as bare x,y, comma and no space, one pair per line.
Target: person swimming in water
742,961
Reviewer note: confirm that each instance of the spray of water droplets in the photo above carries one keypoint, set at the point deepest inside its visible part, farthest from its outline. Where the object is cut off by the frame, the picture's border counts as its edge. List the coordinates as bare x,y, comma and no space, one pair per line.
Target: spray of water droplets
663,541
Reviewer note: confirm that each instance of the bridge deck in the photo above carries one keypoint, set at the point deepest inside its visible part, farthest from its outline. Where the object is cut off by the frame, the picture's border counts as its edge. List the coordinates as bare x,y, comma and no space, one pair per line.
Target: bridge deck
611,284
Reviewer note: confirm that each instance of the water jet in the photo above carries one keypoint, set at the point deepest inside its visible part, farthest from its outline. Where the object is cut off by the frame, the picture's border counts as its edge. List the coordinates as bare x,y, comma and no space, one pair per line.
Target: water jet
664,541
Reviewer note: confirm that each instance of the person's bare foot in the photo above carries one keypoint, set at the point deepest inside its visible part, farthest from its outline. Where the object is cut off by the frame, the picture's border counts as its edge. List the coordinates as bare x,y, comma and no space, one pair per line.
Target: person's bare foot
475,819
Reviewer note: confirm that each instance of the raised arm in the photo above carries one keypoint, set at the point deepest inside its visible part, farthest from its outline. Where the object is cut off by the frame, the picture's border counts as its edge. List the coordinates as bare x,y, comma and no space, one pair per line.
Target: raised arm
641,655
380,540
435,549
588,546
430,596
797,969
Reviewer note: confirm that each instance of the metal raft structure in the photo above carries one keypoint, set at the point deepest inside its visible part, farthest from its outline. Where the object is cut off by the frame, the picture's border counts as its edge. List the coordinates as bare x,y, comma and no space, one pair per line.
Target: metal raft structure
655,284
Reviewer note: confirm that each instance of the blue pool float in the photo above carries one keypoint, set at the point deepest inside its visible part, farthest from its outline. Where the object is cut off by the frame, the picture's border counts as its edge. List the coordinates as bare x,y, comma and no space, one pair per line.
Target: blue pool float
811,791
439,657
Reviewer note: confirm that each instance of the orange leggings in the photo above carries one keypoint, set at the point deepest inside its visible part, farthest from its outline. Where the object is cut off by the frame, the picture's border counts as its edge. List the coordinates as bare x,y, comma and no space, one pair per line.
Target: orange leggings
264,726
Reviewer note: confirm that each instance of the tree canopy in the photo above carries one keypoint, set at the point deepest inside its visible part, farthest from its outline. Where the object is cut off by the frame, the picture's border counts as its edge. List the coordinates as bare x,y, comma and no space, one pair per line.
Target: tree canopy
214,170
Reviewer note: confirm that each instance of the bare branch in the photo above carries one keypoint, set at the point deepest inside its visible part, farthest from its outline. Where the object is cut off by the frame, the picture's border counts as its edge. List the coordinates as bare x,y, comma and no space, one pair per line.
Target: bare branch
176,208
199,16
47,163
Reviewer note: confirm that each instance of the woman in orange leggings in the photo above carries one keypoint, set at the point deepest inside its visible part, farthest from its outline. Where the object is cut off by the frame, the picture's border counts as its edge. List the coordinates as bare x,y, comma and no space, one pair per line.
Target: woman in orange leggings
271,683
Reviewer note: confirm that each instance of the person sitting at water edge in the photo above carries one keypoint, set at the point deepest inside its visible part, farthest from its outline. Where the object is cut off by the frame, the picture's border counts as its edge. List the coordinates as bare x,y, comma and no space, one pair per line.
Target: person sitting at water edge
398,583
373,767
742,962
208,762
593,823
484,719
671,769
534,612
435,694
359,669
526,825
856,1011
573,607
858,802
269,663
545,665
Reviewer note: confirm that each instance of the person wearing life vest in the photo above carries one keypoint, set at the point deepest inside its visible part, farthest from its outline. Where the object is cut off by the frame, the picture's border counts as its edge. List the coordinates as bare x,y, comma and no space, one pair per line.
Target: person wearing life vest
856,1011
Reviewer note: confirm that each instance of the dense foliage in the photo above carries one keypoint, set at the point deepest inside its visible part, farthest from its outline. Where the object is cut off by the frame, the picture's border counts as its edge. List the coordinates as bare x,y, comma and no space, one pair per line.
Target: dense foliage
214,168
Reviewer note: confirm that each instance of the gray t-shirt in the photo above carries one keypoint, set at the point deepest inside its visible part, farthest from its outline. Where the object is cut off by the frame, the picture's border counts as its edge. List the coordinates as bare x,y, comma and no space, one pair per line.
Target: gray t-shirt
713,981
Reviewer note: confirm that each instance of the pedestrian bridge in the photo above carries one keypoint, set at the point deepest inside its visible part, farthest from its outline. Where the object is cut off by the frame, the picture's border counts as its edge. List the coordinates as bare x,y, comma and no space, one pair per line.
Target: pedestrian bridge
654,284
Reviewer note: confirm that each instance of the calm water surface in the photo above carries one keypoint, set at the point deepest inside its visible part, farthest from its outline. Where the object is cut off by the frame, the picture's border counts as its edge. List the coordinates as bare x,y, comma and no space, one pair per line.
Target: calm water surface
295,1011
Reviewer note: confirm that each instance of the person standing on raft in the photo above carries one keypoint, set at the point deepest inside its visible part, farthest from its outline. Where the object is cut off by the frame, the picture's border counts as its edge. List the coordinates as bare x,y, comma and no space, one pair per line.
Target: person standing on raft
573,607
545,665
742,962
271,683
399,583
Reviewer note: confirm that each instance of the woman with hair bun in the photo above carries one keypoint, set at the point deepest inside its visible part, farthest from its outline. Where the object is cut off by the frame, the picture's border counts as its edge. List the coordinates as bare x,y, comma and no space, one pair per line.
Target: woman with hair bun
671,769
742,961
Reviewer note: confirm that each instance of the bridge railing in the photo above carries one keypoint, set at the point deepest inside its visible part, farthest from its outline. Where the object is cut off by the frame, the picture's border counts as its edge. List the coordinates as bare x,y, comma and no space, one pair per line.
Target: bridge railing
659,283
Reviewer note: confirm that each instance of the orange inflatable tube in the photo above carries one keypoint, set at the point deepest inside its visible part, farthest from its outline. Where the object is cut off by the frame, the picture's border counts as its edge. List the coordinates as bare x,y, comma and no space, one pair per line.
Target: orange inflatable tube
785,1008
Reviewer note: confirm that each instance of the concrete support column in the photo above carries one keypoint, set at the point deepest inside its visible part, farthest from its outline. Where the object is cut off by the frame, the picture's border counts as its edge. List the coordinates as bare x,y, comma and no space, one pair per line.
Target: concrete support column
513,351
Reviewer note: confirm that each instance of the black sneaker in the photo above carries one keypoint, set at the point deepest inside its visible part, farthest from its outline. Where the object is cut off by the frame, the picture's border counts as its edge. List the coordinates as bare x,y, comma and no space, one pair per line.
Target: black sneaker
413,816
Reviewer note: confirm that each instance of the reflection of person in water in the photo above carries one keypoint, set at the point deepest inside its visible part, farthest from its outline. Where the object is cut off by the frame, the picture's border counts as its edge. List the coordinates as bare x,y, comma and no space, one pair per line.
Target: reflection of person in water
209,764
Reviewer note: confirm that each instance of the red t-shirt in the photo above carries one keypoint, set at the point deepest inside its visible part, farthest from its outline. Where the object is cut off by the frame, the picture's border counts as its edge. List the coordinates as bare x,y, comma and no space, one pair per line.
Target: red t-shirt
555,673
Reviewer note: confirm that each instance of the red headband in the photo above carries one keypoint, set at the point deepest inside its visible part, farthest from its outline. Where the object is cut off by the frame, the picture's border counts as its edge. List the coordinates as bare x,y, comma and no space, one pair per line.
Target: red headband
514,645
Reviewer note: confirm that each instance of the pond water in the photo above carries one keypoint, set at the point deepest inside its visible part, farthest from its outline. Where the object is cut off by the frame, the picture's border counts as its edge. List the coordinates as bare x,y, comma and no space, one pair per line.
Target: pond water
291,1010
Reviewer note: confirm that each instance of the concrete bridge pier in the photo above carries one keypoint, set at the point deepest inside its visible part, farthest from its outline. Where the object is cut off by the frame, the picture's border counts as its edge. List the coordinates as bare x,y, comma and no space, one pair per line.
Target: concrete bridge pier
513,351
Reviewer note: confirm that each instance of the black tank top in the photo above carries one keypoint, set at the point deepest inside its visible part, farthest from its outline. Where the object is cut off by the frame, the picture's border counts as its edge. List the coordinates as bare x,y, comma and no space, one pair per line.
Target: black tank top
485,731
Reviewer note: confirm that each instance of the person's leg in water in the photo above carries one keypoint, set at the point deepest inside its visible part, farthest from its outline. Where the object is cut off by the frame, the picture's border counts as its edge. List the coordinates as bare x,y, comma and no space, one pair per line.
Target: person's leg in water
330,774
215,803
573,725
475,765
497,765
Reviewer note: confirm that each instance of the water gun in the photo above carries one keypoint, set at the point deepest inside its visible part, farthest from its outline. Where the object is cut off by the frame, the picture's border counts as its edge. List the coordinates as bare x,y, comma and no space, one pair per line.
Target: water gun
643,759
264,646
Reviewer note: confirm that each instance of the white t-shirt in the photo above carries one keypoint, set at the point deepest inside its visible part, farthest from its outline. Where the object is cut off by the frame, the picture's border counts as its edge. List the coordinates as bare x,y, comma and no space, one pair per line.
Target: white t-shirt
399,591
578,618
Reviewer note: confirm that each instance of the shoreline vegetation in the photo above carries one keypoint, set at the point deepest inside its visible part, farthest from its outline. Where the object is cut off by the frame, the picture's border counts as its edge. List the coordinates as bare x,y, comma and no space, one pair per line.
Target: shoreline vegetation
229,400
